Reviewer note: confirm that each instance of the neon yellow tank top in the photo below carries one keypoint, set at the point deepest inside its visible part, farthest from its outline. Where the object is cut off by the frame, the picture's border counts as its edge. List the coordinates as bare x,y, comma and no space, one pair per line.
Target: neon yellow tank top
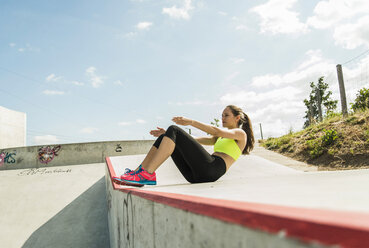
228,146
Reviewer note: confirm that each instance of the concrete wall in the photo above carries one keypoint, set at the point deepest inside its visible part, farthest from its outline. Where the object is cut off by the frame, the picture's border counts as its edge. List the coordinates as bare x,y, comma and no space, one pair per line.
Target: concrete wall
12,128
68,154
138,222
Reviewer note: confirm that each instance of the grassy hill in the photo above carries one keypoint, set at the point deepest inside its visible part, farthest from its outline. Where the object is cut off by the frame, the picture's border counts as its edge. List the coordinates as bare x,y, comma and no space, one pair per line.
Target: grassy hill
334,144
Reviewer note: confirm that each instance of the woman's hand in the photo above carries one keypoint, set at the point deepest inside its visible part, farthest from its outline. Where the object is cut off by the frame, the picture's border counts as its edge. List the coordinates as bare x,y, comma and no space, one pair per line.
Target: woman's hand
182,121
159,131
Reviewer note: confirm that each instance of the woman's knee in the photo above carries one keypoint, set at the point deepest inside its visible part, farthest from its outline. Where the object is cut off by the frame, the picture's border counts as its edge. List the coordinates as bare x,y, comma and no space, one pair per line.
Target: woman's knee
158,141
173,128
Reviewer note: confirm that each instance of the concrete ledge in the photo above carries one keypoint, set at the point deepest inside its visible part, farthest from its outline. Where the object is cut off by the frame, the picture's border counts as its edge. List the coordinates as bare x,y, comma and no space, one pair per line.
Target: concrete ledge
145,218
69,154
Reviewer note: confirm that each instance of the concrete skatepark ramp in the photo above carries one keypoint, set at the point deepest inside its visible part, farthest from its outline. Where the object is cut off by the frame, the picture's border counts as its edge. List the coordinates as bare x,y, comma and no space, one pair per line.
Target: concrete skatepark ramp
258,203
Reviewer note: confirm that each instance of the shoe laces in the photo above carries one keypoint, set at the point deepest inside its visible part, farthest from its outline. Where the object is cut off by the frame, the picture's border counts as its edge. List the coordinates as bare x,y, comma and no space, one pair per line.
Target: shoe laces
138,171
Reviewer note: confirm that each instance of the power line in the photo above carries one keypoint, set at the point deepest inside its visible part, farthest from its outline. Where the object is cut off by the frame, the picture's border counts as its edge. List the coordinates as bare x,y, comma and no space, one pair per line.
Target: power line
356,57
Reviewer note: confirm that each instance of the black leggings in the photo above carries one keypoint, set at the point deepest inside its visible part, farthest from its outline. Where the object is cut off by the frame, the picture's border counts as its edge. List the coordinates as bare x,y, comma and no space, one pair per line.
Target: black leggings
192,160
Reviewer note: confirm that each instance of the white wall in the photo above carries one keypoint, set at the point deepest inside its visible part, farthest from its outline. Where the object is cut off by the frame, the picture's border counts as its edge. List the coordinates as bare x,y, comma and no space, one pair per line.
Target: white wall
12,128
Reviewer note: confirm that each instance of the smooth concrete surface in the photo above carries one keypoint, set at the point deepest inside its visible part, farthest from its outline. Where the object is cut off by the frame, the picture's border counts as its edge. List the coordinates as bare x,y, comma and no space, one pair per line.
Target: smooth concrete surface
254,179
70,154
12,128
342,195
138,222
54,207
280,159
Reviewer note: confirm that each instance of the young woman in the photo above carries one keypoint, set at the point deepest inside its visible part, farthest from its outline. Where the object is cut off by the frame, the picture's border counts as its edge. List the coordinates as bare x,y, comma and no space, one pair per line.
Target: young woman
192,160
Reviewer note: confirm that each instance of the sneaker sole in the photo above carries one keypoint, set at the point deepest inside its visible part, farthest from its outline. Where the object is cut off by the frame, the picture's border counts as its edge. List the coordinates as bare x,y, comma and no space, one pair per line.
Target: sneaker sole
134,183
121,182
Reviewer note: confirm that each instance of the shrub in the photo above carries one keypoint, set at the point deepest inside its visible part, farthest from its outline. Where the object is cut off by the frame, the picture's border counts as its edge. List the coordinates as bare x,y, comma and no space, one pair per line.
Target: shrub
315,147
329,137
361,101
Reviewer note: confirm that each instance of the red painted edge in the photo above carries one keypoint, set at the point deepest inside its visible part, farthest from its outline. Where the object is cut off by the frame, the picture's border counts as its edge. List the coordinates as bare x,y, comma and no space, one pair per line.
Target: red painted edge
329,227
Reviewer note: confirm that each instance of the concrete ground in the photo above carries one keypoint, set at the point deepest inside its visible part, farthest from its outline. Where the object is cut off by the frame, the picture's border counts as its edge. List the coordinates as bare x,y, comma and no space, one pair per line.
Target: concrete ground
54,207
256,179
280,159
66,206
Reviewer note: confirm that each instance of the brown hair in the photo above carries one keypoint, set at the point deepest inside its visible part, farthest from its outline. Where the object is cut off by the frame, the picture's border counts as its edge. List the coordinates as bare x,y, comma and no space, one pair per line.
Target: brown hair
246,126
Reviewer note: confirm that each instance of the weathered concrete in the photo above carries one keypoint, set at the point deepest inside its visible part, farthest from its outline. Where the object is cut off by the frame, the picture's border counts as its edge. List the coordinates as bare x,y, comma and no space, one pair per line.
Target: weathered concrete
254,179
12,128
69,154
54,207
137,222
251,179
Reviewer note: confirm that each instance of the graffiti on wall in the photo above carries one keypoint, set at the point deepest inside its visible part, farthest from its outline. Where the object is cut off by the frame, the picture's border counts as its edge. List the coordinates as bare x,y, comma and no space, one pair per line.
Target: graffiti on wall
47,154
43,171
118,148
8,158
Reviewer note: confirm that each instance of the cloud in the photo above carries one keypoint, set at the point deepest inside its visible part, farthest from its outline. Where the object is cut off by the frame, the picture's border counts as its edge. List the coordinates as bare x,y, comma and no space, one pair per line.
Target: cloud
253,99
124,123
45,139
179,13
278,18
348,18
331,12
144,25
53,92
241,27
140,121
276,100
194,103
130,35
277,110
26,48
237,60
78,83
222,13
52,78
89,130
96,80
351,36
309,70
232,76
355,76
118,82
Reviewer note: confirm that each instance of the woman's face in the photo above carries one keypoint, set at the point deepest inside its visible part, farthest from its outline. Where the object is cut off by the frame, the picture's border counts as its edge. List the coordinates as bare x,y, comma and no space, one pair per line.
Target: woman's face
228,119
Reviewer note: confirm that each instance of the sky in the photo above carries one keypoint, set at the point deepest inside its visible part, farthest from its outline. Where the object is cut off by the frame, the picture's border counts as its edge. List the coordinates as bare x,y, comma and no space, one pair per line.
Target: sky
86,71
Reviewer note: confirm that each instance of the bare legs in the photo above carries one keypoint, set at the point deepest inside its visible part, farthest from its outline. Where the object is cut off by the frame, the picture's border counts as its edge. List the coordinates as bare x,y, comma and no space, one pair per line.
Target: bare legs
157,156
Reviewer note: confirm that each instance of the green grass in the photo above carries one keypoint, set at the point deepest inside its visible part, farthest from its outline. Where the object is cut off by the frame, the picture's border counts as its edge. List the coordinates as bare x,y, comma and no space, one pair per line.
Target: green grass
331,136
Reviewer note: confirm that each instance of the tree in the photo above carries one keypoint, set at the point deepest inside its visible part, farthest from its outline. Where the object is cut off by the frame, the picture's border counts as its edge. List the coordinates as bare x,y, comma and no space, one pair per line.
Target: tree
312,104
361,101
215,123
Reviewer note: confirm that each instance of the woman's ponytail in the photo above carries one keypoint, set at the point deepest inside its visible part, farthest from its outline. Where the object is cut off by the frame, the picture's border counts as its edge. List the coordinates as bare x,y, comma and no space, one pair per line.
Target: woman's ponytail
246,125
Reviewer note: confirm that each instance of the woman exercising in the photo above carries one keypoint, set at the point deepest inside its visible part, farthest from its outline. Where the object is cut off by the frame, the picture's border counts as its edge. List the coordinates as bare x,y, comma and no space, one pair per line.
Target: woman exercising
192,160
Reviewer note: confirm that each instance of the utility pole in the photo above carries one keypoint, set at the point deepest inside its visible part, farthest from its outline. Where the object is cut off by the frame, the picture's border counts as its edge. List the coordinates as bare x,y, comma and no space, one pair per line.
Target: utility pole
261,131
342,90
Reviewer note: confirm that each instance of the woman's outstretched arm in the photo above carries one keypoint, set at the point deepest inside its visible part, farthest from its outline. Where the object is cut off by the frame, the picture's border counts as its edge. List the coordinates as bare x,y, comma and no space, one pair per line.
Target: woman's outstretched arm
237,133
207,141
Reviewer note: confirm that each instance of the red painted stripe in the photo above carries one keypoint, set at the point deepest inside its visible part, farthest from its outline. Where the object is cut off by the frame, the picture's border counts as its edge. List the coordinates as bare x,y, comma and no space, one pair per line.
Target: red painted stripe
111,172
330,227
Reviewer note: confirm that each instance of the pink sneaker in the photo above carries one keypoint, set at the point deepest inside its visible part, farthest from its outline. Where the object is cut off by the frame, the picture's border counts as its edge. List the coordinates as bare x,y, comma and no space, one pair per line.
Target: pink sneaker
130,172
140,178
126,171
